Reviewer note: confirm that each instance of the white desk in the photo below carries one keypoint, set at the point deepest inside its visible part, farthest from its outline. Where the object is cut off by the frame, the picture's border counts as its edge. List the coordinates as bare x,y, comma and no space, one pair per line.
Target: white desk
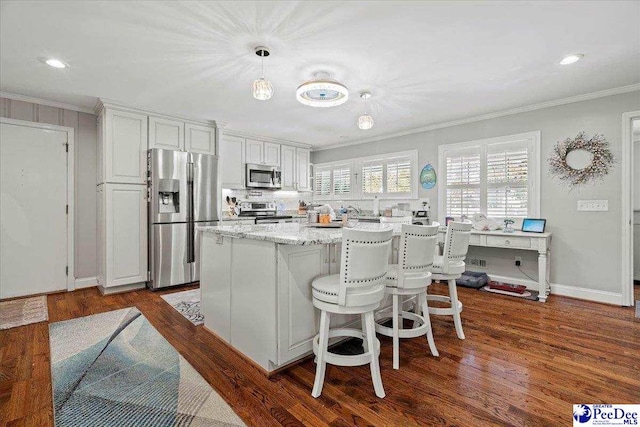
539,242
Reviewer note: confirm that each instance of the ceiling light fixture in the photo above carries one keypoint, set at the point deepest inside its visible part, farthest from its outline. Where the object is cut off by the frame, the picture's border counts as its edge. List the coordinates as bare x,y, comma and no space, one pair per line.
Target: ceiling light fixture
54,62
322,91
365,121
570,59
262,89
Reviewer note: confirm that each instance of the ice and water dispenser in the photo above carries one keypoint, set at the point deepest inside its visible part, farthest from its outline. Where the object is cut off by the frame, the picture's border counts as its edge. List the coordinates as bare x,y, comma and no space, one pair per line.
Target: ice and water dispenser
168,196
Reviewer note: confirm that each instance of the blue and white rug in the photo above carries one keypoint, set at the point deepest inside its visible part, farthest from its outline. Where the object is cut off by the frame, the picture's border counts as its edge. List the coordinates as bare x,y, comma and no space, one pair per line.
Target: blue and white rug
187,303
115,369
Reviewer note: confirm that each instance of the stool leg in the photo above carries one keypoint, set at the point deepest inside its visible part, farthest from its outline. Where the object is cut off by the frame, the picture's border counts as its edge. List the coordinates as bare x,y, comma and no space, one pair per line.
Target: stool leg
375,366
427,321
363,320
417,304
396,334
322,353
453,294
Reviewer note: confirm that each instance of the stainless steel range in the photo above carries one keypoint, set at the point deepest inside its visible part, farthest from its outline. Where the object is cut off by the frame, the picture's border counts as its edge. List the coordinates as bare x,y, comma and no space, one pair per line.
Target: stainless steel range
264,212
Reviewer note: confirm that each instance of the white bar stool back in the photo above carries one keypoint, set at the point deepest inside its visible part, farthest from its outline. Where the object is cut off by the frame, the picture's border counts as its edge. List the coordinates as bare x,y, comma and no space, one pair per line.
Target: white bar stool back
449,267
410,278
396,219
358,289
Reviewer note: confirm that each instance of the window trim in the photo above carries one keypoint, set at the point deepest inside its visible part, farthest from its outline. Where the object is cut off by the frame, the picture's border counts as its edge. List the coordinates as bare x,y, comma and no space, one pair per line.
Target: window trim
533,180
355,165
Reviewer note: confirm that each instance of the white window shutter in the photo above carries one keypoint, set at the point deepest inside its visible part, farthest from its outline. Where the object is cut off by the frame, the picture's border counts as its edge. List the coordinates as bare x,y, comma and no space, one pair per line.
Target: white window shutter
507,183
322,183
372,177
342,180
399,175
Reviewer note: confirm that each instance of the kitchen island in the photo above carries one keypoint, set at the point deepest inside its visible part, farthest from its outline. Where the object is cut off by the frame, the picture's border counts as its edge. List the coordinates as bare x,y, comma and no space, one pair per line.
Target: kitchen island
255,284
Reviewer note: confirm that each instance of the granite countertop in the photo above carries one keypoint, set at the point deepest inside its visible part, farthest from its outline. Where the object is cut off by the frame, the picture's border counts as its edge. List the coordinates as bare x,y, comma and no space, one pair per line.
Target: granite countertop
291,233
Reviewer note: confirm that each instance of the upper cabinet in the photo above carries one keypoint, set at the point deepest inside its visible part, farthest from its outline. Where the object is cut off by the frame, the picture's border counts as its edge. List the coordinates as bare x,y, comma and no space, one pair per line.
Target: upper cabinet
123,147
262,153
166,133
271,154
254,151
288,166
232,161
303,161
200,139
125,135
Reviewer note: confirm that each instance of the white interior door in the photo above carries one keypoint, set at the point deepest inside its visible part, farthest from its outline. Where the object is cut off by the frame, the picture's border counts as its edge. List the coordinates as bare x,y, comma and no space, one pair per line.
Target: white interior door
33,218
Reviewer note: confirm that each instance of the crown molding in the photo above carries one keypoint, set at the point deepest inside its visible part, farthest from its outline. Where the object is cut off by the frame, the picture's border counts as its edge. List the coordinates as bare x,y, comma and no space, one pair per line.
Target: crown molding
109,103
241,134
488,116
40,101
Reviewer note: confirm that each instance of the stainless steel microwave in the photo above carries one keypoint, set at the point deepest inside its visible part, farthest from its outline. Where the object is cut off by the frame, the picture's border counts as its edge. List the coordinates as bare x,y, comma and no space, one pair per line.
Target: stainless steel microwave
263,176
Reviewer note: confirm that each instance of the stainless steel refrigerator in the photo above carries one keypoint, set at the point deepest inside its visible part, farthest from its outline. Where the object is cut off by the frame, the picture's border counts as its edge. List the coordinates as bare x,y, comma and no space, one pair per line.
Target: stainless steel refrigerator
183,193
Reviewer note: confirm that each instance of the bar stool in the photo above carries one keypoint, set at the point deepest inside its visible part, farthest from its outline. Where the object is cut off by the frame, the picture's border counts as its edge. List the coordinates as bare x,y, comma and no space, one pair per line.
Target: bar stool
358,289
449,267
411,277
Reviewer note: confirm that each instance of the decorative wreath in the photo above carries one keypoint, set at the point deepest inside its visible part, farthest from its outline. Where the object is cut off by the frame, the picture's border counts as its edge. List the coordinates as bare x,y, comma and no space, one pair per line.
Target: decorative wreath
600,165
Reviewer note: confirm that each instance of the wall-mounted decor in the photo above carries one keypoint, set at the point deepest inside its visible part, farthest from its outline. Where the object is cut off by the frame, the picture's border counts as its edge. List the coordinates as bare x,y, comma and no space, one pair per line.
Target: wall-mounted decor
581,160
428,177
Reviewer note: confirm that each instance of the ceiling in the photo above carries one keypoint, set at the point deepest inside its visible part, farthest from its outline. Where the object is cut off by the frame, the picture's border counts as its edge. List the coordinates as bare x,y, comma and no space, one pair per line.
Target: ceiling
424,62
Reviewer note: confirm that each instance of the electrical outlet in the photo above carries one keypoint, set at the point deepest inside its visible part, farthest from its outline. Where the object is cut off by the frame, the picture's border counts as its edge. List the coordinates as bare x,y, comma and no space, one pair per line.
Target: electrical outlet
518,261
593,205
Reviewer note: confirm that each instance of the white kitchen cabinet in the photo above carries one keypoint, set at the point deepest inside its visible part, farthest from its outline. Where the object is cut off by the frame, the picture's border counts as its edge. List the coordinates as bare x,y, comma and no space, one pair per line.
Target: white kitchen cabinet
271,154
122,142
166,133
303,162
262,153
254,151
122,234
232,161
199,138
288,166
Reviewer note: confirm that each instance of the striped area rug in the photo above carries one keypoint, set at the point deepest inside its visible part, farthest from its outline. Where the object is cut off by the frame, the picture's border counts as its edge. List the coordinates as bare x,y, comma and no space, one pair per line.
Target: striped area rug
115,369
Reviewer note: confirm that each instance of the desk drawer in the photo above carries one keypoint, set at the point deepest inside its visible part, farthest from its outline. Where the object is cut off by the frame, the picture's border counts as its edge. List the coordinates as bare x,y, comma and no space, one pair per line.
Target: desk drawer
509,241
474,239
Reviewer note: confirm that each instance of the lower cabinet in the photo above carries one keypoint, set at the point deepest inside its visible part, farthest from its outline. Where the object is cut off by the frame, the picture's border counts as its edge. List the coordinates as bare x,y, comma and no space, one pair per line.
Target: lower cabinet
122,235
256,295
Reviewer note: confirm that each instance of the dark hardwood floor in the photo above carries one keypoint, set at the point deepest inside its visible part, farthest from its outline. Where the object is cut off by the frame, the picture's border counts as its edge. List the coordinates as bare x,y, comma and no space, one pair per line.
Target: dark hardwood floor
523,363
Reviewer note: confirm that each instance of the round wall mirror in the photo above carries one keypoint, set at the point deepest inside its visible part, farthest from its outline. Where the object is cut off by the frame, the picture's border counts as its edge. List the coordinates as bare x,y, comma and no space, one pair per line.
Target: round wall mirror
579,159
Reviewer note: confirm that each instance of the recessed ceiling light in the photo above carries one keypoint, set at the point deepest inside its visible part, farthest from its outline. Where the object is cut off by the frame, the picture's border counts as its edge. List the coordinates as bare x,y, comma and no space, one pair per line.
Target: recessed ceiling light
570,59
54,62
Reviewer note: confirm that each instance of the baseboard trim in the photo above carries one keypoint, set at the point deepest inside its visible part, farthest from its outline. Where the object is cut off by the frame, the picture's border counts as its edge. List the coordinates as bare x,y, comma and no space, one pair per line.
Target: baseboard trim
587,294
86,282
123,288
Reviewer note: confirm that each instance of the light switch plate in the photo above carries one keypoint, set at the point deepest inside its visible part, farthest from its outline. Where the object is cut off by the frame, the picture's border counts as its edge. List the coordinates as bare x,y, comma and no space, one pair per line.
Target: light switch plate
593,205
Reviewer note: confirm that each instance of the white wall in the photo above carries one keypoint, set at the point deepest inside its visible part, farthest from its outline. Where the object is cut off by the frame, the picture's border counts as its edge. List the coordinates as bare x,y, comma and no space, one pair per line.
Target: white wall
85,128
586,246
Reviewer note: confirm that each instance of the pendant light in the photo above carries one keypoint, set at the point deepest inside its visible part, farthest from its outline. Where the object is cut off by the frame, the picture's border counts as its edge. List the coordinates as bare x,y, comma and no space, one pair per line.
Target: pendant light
365,121
261,88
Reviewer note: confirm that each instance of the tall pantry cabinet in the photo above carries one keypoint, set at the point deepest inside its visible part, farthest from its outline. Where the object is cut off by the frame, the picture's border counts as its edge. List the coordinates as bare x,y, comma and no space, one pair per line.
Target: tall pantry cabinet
122,199
124,137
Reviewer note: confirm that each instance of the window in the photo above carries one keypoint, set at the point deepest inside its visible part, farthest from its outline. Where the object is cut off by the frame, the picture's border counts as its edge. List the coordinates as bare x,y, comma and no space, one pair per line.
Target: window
386,176
497,176
332,181
322,182
372,177
342,181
